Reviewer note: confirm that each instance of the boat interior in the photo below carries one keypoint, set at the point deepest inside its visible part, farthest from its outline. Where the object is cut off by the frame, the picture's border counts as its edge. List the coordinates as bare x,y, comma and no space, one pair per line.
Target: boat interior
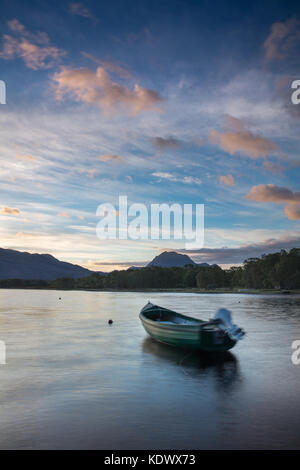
169,318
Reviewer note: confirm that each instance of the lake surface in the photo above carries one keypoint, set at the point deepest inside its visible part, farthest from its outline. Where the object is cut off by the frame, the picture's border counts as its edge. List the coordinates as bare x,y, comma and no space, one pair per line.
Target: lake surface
73,382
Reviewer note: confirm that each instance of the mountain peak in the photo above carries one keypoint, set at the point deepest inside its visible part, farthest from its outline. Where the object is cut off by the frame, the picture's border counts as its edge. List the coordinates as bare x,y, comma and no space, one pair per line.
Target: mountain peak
170,259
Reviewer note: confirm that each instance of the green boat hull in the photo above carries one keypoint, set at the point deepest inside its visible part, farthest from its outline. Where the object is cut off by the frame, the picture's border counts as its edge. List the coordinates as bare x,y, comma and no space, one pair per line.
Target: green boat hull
184,332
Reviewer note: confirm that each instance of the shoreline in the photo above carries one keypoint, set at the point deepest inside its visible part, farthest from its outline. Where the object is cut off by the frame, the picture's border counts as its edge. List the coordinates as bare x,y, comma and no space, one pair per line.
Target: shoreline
172,290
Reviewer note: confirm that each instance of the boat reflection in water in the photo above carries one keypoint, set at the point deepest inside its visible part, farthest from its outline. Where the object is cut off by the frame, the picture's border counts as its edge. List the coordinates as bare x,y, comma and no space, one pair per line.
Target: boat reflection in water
223,366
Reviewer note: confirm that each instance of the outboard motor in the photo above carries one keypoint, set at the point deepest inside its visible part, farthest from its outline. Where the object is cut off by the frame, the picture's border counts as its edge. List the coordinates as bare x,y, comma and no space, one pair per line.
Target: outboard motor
223,317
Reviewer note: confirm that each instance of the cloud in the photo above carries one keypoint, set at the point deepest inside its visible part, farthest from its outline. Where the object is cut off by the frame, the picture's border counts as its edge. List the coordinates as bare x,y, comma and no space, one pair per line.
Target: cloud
96,87
237,255
191,180
227,179
226,255
239,139
165,175
110,66
90,173
21,156
34,49
77,8
10,211
63,214
174,178
165,143
292,211
126,264
108,158
272,193
282,39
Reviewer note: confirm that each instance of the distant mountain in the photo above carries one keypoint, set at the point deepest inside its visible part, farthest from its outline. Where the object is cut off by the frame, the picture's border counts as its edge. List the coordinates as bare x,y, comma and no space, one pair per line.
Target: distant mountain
22,265
170,259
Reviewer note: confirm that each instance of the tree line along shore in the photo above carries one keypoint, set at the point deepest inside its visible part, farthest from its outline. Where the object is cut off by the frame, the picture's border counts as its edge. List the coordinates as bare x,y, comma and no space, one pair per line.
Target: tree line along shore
277,271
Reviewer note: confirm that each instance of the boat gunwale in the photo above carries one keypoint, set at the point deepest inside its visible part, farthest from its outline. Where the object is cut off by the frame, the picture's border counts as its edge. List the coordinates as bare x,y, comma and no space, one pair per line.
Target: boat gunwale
170,326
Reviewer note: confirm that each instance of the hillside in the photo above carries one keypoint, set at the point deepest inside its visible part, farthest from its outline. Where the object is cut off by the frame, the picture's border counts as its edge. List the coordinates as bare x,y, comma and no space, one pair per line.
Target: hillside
22,265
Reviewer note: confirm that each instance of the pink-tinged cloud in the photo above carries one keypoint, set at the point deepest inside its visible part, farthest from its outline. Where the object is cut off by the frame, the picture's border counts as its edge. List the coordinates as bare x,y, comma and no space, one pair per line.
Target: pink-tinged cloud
284,36
10,211
110,66
110,158
63,214
21,156
34,49
227,179
90,173
239,139
96,87
272,193
292,211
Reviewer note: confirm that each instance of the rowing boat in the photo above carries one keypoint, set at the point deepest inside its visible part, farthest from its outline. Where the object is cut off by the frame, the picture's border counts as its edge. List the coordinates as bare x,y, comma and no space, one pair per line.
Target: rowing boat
167,326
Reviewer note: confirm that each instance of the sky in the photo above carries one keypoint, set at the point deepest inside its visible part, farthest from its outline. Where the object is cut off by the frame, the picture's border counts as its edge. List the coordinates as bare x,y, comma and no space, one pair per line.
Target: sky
183,102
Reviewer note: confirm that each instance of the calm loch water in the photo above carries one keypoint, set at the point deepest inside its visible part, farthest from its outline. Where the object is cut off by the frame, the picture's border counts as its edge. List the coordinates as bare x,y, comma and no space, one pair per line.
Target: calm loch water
73,381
